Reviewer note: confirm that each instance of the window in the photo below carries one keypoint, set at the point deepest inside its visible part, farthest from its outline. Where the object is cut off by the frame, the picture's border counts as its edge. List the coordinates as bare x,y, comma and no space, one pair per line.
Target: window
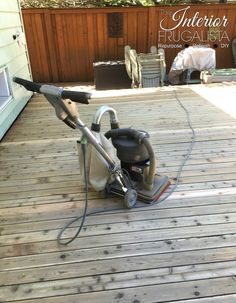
5,92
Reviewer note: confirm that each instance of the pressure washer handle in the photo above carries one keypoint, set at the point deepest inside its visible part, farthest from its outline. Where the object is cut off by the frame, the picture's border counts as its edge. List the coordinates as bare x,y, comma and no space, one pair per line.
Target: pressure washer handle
80,97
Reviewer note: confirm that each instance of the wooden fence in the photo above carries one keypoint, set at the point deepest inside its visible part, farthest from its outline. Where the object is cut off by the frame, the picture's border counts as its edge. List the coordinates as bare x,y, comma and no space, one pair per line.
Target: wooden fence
64,43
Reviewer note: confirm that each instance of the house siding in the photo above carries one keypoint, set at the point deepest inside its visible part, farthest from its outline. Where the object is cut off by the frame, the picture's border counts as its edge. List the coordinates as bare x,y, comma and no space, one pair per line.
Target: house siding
15,58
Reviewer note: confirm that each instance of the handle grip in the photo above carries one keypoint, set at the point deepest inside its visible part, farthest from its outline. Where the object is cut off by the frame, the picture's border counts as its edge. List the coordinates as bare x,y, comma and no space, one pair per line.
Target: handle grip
29,85
80,97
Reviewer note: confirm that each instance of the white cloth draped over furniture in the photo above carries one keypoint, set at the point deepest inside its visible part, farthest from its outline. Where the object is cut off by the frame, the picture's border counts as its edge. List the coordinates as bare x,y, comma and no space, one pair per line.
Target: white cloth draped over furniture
192,58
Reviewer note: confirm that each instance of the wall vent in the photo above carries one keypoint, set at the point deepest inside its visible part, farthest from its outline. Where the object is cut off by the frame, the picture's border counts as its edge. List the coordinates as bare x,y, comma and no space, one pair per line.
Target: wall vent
115,25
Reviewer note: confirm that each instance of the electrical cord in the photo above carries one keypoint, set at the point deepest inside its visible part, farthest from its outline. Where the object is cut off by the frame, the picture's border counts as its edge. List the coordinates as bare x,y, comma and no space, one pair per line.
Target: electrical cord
177,179
182,165
83,217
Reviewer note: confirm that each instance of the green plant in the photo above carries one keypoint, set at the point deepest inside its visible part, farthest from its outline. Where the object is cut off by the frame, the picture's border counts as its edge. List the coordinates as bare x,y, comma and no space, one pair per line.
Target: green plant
127,3
83,3
93,3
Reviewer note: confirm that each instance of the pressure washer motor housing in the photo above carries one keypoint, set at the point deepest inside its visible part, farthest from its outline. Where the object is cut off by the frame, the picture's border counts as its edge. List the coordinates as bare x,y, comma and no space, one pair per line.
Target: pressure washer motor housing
137,162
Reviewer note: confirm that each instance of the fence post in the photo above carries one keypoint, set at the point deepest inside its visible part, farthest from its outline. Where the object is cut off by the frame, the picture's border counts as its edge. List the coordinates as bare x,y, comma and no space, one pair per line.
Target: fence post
152,26
49,36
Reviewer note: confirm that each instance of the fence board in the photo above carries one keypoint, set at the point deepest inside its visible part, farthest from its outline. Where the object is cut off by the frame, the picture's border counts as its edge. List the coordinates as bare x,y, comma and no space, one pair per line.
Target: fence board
64,43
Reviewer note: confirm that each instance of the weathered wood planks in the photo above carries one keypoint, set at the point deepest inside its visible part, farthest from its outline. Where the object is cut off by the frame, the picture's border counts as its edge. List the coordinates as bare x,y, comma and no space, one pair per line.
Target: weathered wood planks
182,250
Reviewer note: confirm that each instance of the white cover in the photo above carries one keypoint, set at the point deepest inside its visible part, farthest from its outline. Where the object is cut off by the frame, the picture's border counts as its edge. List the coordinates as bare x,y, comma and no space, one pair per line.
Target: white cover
194,57
97,167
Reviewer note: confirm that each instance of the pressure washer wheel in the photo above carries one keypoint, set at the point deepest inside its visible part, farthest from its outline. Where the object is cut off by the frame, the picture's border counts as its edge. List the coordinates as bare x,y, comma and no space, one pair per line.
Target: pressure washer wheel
130,198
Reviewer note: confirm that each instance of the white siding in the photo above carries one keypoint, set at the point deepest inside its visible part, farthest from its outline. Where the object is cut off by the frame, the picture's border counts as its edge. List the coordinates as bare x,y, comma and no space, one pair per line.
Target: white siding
9,6
15,58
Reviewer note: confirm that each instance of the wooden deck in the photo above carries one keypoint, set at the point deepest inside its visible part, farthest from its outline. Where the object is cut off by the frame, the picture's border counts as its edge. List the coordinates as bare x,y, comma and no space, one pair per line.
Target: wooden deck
182,250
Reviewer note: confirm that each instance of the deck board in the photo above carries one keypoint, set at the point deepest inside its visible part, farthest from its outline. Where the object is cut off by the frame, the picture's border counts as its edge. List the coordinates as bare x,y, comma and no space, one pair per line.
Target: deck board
181,250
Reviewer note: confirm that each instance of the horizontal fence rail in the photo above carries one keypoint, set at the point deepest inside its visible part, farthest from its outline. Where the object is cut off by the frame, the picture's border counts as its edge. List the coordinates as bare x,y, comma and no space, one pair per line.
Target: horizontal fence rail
64,43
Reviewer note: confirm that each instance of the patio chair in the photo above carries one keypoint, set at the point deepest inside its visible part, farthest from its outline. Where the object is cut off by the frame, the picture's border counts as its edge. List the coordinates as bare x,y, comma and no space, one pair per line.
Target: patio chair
128,65
145,69
152,69
161,53
153,49
135,68
131,65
